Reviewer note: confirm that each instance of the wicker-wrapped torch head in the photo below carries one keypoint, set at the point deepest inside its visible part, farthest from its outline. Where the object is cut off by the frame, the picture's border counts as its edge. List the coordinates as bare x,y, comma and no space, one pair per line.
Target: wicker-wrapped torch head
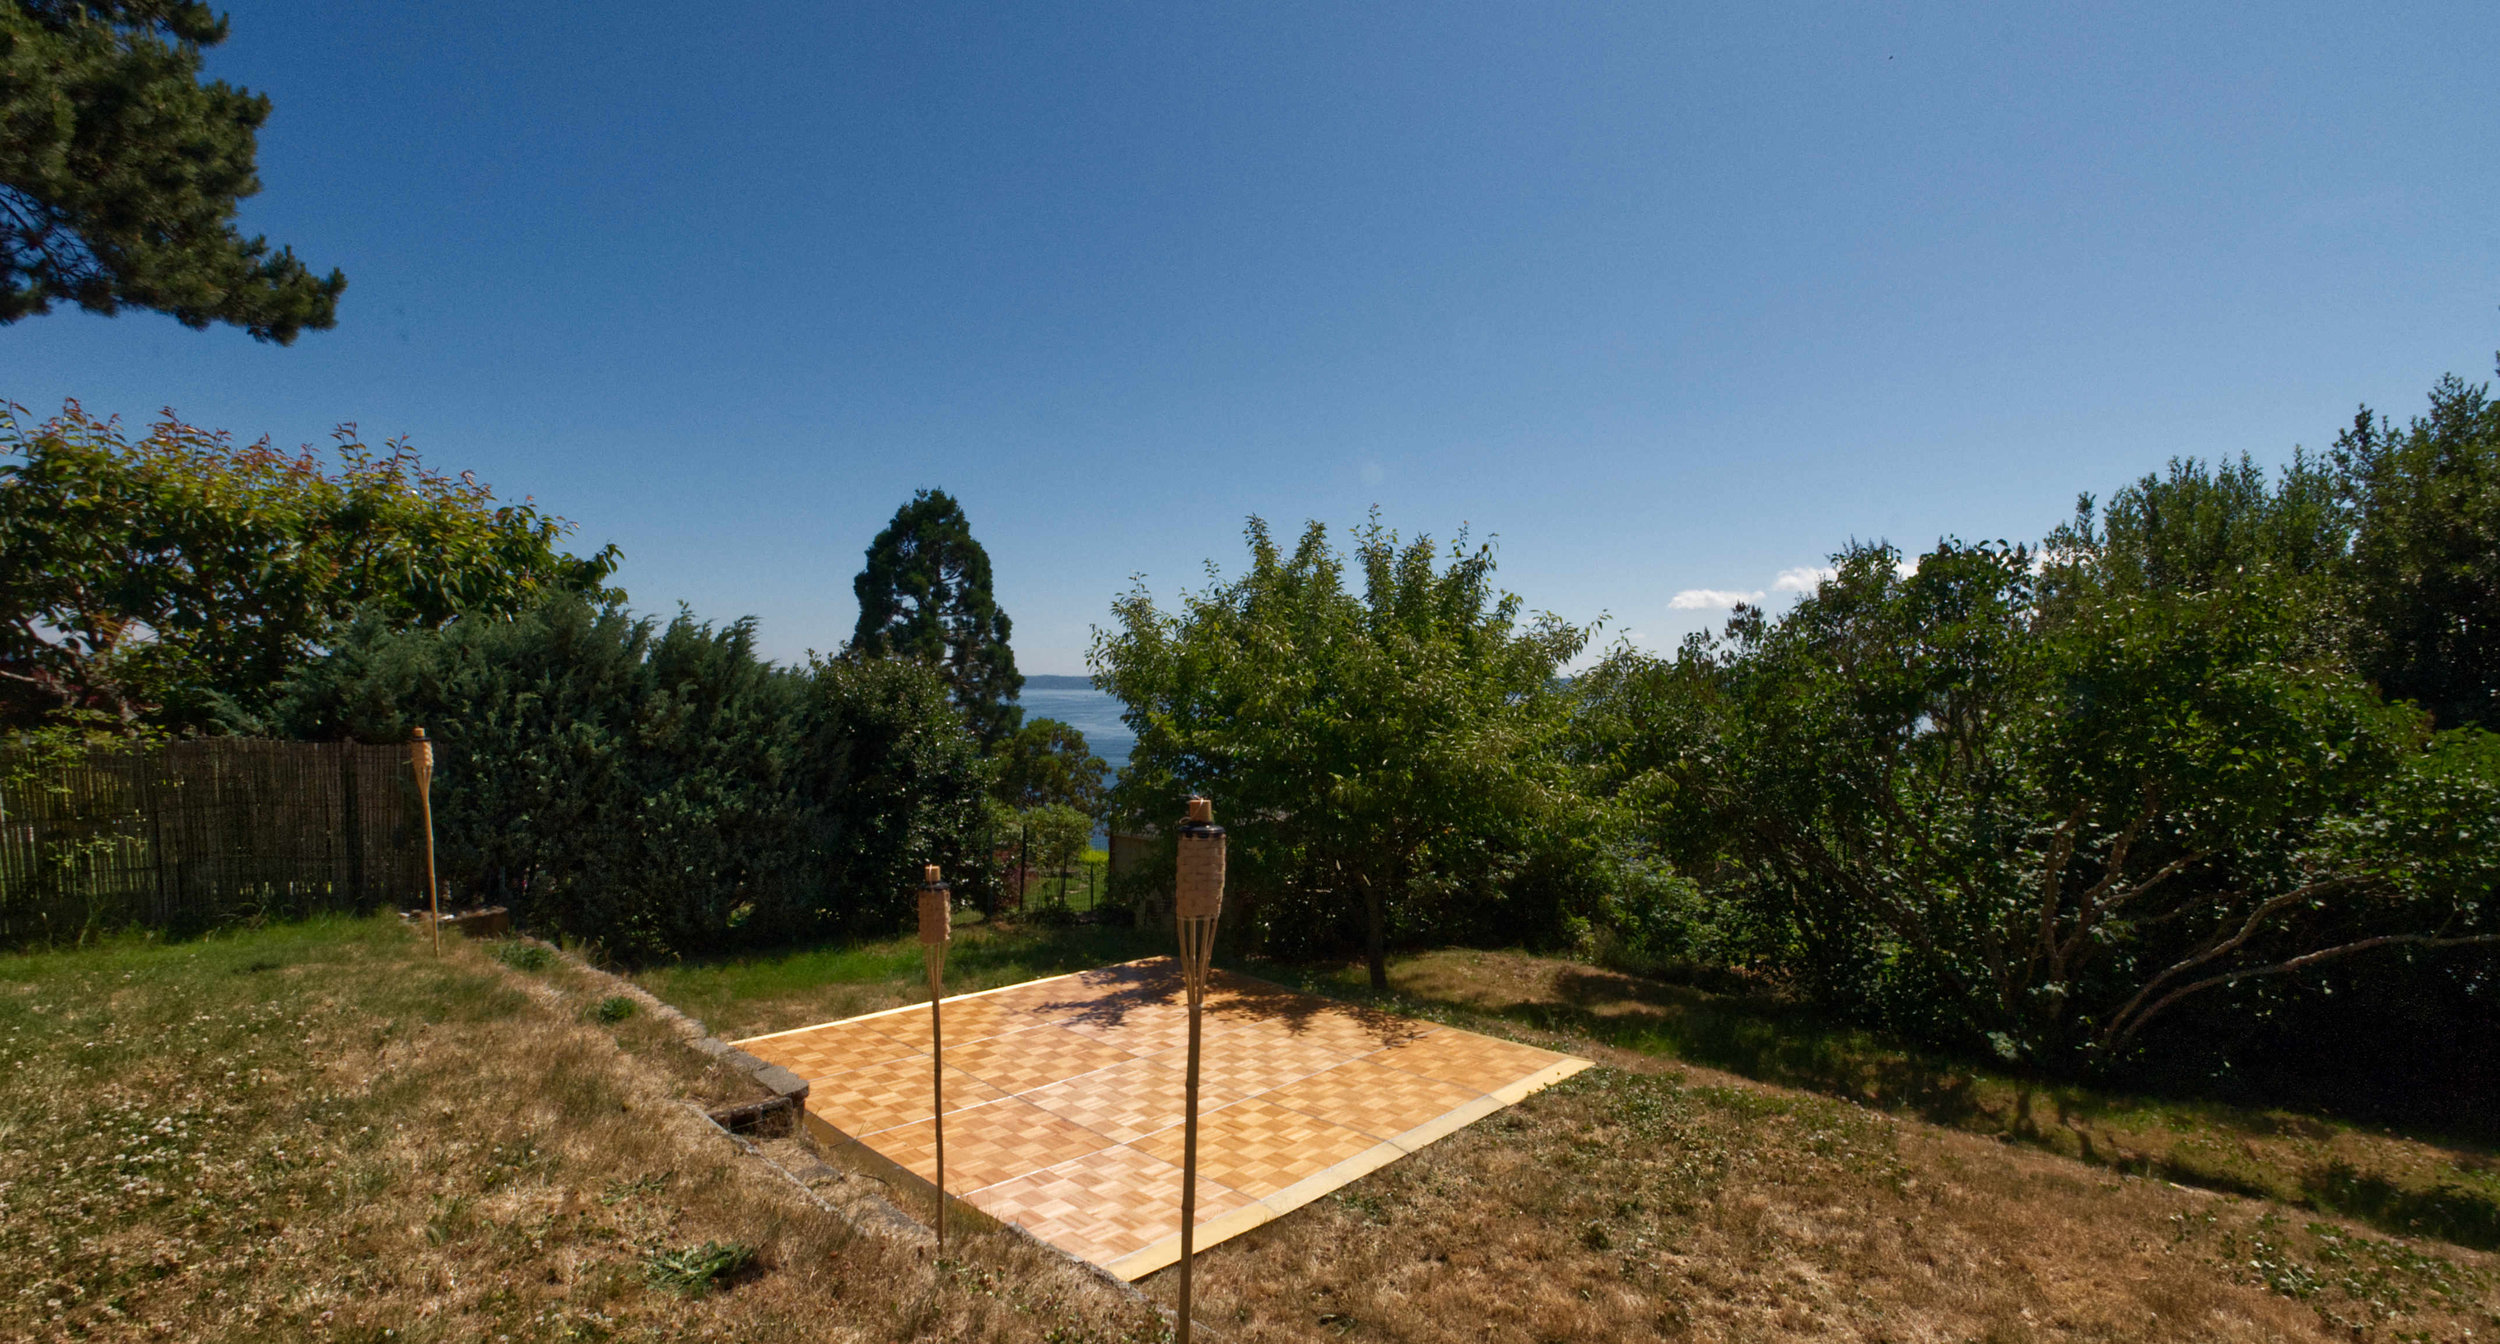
421,755
1198,891
937,924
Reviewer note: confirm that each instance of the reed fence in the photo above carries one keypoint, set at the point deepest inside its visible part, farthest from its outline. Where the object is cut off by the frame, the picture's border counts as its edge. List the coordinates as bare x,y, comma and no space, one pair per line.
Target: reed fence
195,834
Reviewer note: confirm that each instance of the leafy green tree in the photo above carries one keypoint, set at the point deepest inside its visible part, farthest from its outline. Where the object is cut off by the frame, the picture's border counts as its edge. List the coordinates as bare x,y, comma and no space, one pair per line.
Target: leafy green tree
2043,833
1046,763
2426,551
1371,752
925,595
174,580
1048,838
2196,528
120,170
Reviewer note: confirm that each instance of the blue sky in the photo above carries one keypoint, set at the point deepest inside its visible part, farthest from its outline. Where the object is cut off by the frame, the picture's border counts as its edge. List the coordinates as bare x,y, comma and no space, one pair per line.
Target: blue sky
1666,299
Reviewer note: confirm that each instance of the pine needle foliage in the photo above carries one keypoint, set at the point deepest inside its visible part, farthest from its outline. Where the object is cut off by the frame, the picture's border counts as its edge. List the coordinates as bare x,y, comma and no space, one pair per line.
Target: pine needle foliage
120,172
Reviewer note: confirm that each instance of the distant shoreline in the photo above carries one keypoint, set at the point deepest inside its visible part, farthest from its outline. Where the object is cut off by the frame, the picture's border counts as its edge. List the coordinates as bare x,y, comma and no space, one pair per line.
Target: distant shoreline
1057,683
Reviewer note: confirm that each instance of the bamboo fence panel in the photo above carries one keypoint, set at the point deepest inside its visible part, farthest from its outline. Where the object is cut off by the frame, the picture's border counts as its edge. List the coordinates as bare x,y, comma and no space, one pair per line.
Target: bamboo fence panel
195,834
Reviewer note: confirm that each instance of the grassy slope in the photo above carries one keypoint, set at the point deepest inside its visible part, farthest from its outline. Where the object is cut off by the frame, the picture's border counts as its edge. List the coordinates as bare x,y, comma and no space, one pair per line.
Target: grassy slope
2407,1185
321,1132
1660,1198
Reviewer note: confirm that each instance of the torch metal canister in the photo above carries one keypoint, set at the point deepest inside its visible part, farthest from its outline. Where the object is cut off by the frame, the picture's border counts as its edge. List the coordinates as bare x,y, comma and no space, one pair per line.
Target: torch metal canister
937,928
1198,900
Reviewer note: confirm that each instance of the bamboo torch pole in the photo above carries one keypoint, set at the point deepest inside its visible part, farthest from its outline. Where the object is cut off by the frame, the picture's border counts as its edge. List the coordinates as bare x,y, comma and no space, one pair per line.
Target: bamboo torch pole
1198,898
421,755
937,927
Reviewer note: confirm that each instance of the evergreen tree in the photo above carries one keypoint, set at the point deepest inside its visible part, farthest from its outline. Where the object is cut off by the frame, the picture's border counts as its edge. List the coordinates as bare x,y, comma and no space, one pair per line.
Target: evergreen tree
119,172
925,595
2426,551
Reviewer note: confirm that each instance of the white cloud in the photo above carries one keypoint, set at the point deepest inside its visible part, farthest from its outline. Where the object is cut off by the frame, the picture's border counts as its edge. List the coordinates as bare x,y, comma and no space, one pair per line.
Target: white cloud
1802,579
1710,599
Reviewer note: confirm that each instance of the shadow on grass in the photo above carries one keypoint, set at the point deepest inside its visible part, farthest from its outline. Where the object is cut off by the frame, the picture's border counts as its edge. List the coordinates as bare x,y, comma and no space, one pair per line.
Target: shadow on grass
769,991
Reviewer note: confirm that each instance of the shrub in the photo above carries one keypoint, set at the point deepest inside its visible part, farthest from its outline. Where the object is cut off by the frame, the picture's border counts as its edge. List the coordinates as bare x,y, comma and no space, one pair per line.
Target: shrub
660,790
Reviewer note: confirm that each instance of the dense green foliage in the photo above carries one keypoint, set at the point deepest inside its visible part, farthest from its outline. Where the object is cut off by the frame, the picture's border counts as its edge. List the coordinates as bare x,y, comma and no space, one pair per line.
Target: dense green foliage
2425,557
2159,794
1381,756
120,170
2041,830
925,595
1045,763
1050,838
659,789
173,581
2196,787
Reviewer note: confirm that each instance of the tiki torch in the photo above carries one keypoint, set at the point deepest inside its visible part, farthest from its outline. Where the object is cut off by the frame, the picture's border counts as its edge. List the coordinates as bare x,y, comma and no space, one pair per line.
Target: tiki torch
937,926
421,756
1198,899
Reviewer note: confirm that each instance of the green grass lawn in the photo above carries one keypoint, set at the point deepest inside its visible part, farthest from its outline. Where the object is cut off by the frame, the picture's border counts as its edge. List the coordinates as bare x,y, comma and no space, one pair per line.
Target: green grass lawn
775,991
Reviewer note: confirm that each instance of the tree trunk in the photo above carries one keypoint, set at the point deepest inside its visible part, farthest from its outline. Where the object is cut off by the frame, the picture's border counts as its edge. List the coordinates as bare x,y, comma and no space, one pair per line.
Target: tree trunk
1376,937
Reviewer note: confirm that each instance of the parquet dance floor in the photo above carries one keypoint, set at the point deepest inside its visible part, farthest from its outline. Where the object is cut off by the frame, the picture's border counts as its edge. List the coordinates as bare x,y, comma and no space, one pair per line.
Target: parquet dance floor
1063,1101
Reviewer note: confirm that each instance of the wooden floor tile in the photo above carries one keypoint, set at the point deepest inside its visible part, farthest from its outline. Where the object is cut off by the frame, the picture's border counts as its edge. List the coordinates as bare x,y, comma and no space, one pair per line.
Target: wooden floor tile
821,1052
1378,1100
1064,1099
989,1144
967,1020
1128,1101
1465,1058
1104,1205
897,1092
1259,1148
1248,1063
1023,1060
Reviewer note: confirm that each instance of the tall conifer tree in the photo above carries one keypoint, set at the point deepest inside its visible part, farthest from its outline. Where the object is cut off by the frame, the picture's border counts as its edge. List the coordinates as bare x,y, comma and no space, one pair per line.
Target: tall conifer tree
925,595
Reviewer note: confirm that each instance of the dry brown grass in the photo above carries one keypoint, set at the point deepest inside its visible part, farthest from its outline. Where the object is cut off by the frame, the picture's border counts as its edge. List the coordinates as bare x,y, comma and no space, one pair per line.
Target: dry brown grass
1648,1201
2401,1184
320,1133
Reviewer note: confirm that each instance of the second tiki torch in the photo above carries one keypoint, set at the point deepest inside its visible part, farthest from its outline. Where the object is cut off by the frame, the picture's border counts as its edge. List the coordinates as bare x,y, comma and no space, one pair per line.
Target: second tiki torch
1198,898
937,926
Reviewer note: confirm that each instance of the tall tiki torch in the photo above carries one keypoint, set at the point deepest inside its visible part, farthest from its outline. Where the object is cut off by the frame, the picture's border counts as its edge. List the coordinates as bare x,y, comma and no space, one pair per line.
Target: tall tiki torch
1198,899
937,926
421,756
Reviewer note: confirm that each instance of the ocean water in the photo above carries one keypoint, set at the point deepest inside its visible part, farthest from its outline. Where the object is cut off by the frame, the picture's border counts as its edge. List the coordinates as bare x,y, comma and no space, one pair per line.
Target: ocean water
1094,714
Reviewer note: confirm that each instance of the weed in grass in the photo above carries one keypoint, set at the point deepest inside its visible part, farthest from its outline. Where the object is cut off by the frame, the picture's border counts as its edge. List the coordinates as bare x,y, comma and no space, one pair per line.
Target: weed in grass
523,956
614,1008
641,1187
697,1270
1364,1205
